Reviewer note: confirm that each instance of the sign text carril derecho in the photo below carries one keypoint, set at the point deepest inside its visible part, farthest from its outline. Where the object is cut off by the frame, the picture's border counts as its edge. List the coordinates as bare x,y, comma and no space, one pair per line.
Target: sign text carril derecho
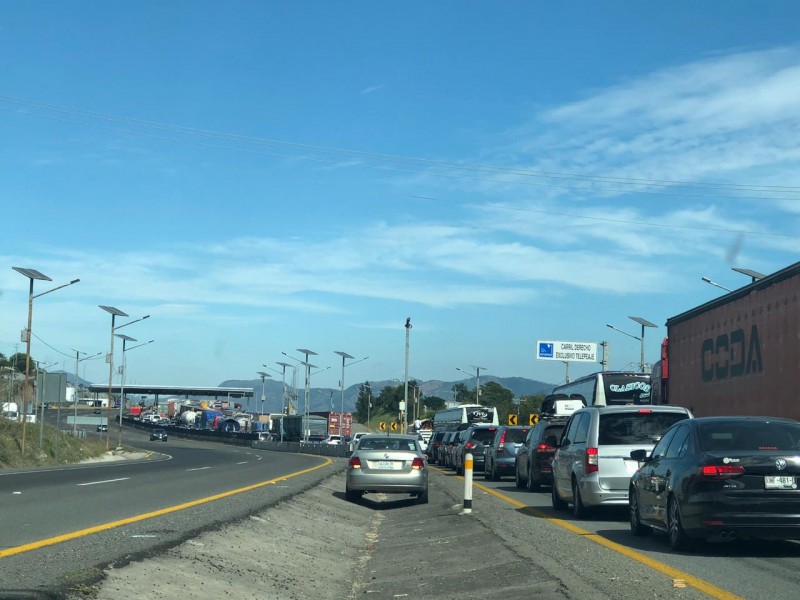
569,351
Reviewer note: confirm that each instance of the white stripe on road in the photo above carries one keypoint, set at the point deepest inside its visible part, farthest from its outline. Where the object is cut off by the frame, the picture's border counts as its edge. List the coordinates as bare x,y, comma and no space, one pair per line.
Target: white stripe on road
198,469
106,481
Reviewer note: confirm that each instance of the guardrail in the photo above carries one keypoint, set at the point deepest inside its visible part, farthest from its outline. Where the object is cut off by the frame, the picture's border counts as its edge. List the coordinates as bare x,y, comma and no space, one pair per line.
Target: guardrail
241,438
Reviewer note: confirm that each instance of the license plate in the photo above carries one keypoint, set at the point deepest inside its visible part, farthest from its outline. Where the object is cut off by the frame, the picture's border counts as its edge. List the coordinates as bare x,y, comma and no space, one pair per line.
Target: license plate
780,482
388,465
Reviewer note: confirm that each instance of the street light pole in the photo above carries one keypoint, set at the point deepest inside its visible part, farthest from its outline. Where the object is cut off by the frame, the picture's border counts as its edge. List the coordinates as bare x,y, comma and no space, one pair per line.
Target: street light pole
715,284
283,366
263,389
403,424
344,356
477,381
124,338
78,359
31,274
644,323
307,397
114,312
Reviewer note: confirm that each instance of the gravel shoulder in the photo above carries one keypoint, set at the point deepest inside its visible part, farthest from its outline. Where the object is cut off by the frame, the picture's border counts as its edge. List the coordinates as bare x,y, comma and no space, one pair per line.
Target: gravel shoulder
317,545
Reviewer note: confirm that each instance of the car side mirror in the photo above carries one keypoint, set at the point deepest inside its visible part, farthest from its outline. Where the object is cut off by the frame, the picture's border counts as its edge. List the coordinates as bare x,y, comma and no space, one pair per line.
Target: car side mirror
639,455
564,443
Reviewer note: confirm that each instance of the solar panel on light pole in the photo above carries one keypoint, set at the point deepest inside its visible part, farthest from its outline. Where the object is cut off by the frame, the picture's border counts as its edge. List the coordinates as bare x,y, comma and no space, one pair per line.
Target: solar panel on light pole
644,323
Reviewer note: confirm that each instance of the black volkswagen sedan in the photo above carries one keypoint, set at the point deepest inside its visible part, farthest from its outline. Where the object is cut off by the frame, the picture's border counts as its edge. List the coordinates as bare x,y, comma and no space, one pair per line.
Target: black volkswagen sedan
720,479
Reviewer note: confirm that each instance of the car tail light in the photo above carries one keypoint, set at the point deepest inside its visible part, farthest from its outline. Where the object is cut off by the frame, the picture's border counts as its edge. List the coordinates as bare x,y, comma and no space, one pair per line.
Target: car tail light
721,471
645,410
592,465
502,444
417,463
469,445
542,446
355,462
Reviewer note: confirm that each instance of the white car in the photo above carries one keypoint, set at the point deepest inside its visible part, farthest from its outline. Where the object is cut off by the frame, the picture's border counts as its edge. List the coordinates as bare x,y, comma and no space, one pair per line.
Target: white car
354,441
333,439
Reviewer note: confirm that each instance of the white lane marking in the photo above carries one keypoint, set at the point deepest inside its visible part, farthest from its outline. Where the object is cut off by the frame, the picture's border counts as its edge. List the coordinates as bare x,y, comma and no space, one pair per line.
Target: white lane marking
198,469
244,462
105,481
16,493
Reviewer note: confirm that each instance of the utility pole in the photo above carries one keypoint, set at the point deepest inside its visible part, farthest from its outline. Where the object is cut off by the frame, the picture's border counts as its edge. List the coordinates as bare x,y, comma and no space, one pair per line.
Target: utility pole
405,391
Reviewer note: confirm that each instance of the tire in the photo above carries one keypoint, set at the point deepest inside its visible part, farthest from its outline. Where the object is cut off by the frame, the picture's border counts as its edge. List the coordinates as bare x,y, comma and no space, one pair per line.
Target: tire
579,511
558,503
352,495
493,474
423,497
678,540
531,485
517,481
637,527
486,473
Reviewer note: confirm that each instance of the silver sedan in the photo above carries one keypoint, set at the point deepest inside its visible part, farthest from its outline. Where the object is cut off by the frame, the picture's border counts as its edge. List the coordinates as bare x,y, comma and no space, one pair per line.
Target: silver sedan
389,464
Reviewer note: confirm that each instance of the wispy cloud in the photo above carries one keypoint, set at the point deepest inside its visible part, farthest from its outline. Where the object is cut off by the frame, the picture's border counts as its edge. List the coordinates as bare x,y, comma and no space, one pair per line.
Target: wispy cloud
371,89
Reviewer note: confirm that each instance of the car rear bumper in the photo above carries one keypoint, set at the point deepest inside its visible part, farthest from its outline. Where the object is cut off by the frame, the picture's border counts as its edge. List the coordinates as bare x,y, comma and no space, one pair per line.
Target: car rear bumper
390,483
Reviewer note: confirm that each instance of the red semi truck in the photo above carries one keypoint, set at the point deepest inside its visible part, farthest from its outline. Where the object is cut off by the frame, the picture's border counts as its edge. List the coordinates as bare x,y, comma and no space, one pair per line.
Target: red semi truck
738,354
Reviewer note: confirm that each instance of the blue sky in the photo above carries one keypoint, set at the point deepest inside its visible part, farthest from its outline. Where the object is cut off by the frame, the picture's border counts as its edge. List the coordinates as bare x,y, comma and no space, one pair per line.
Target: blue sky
265,176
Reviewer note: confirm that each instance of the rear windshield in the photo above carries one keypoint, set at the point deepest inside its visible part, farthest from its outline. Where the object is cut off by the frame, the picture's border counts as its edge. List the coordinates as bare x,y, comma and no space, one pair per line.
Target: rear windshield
635,427
555,430
484,436
516,436
387,444
749,435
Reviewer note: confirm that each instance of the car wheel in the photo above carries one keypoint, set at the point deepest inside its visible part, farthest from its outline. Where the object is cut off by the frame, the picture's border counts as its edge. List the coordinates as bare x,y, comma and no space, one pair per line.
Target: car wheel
517,479
531,485
558,503
352,495
486,475
578,509
678,540
637,527
494,475
423,497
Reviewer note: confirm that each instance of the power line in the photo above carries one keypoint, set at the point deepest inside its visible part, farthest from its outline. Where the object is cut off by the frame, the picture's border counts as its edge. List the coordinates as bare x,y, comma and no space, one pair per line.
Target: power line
427,163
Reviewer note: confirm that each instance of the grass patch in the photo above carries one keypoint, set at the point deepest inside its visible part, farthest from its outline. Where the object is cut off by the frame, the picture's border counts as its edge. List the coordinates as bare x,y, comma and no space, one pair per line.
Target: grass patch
56,448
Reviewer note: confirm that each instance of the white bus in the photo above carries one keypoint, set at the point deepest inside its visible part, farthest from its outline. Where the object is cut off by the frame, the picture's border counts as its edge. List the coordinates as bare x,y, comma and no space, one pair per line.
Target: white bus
606,388
452,419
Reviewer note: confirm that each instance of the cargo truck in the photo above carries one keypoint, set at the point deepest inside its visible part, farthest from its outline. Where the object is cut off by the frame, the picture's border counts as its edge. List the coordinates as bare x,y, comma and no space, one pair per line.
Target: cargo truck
294,428
738,354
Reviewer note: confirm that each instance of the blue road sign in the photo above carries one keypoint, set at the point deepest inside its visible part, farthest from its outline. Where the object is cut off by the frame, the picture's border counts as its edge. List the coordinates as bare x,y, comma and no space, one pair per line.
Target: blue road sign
545,350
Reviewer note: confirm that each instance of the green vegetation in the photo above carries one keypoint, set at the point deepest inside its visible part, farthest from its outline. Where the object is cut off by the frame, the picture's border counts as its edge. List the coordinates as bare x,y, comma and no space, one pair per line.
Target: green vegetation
56,449
386,406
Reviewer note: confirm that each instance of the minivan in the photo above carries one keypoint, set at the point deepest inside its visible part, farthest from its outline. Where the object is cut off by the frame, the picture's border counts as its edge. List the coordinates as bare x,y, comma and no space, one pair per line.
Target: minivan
592,465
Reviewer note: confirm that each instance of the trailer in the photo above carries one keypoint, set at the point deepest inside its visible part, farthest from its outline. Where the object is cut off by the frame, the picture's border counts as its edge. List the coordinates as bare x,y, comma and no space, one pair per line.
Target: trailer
738,354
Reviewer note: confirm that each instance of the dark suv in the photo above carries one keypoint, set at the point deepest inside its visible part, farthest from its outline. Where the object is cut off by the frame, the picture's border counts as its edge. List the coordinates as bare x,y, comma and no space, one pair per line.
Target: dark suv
532,466
500,453
433,446
471,441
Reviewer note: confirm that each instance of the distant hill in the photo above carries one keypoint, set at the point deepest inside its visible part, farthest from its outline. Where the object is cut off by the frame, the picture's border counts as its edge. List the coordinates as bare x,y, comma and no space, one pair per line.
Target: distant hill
325,399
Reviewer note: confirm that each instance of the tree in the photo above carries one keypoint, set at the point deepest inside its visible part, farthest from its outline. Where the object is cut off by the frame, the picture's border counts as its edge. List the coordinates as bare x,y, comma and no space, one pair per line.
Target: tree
362,402
494,394
433,403
462,394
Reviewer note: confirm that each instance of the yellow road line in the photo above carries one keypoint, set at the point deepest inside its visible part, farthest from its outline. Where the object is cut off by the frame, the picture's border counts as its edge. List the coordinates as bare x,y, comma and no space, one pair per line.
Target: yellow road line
697,583
156,513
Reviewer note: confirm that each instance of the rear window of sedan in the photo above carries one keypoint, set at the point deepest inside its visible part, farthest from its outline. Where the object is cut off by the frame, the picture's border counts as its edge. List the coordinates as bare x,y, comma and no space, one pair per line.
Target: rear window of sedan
643,427
749,435
387,444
